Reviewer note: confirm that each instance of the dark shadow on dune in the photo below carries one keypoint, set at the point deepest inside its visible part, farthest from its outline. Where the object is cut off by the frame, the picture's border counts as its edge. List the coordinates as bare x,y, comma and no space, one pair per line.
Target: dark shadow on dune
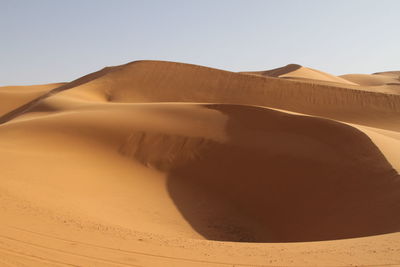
285,178
280,71
275,72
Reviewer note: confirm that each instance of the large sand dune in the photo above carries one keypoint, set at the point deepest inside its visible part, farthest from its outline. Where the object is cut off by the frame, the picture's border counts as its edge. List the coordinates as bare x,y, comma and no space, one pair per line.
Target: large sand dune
158,163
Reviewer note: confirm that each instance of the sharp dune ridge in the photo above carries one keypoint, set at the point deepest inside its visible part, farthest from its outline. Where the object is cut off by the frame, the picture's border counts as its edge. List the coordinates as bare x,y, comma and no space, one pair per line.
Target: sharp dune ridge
142,81
177,164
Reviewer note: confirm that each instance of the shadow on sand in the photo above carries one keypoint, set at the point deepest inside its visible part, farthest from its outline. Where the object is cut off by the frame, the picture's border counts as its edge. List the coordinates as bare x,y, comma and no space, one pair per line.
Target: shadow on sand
286,178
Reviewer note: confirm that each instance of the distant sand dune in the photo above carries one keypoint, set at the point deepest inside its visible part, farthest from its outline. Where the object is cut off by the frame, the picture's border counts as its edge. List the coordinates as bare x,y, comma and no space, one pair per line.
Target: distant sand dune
295,71
151,163
370,79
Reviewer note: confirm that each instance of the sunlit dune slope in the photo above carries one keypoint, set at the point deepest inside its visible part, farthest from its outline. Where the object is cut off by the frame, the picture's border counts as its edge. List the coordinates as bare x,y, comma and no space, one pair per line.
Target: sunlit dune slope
158,81
393,74
371,79
386,82
295,71
12,97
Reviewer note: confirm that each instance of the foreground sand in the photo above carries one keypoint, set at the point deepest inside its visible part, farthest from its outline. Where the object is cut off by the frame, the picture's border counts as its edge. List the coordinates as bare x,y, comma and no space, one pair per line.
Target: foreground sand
168,164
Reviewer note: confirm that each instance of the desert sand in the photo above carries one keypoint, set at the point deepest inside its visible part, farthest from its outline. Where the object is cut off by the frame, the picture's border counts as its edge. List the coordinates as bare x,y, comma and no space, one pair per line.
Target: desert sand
156,163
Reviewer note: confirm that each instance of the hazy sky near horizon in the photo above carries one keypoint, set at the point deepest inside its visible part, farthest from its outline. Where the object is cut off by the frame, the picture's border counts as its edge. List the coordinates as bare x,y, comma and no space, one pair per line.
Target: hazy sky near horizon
45,41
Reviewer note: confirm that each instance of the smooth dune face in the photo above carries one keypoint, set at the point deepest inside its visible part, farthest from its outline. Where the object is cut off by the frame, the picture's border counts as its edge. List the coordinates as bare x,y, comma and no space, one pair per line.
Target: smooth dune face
370,79
12,97
386,82
155,163
297,72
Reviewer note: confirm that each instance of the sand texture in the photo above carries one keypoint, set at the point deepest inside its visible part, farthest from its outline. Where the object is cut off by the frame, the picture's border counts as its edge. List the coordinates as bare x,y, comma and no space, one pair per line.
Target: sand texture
157,163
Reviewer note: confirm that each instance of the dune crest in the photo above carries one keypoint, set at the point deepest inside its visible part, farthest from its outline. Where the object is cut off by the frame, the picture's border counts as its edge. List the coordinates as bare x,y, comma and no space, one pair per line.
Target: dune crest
12,97
157,81
298,72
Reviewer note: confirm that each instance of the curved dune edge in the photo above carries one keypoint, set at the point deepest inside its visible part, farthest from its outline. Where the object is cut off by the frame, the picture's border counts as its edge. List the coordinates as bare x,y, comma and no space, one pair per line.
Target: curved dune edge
92,206
295,71
12,97
158,81
387,82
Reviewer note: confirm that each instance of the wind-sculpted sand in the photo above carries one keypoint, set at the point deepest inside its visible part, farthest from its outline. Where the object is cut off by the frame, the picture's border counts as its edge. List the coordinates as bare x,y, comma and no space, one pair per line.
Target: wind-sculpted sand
157,163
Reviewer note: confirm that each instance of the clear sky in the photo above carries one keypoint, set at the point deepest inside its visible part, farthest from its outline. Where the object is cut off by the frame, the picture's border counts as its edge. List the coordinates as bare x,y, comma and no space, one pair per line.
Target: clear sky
44,41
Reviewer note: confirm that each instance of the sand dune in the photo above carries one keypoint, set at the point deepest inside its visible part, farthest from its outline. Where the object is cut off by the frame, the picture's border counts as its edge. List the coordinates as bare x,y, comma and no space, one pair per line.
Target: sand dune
157,163
12,97
386,82
370,79
152,81
298,72
393,74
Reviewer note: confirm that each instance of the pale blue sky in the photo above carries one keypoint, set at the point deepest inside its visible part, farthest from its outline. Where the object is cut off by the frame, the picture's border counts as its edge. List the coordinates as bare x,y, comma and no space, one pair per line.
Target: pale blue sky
45,41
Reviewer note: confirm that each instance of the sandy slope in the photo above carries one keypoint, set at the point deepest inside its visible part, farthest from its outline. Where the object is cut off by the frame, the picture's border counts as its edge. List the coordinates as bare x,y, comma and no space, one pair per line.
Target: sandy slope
12,97
298,72
387,82
169,164
157,81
